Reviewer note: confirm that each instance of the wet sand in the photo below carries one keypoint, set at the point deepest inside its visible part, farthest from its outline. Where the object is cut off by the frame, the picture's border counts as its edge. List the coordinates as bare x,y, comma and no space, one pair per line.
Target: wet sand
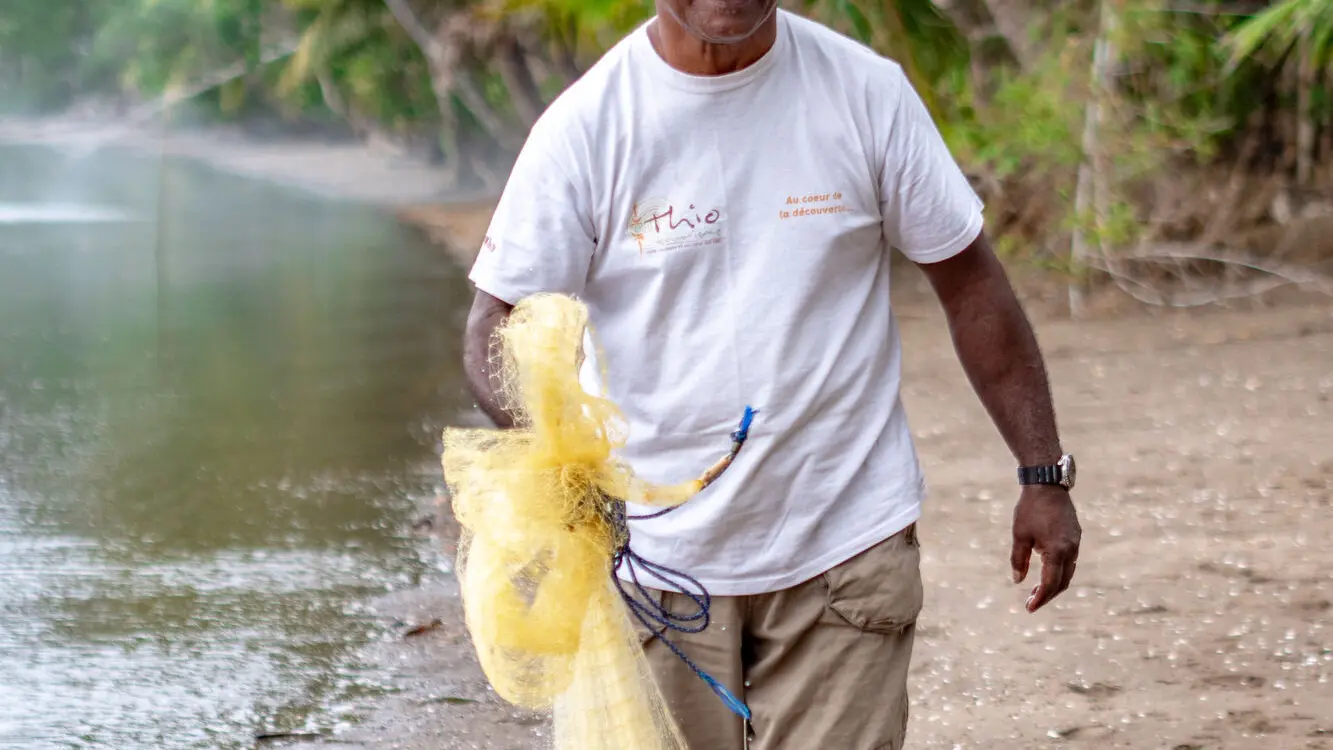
1200,614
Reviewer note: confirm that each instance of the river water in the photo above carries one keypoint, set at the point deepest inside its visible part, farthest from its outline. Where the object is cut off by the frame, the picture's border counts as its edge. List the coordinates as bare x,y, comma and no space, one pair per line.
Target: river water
220,403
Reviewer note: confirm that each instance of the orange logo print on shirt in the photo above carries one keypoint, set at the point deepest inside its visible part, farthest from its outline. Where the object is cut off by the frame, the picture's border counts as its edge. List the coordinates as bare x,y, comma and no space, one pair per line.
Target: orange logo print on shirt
813,204
657,225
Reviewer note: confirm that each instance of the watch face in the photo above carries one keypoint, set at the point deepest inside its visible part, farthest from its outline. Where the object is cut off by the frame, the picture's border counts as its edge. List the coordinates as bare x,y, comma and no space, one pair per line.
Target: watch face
1067,471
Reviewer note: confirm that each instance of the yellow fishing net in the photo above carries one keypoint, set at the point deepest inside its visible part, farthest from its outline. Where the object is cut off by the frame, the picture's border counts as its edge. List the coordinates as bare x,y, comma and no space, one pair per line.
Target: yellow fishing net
541,508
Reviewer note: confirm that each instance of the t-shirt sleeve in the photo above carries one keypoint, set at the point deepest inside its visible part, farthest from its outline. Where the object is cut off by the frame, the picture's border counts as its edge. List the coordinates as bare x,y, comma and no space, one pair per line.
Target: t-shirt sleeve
541,236
929,208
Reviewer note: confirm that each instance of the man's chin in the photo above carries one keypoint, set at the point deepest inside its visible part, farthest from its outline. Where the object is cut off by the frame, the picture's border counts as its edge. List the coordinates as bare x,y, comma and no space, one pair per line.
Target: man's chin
725,28
726,34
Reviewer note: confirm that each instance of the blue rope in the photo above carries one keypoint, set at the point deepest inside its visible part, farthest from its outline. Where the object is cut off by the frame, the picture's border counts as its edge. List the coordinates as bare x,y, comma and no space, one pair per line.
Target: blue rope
656,617
659,619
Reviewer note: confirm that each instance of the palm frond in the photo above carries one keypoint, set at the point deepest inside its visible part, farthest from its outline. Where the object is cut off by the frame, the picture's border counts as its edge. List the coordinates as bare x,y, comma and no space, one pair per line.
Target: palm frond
1277,29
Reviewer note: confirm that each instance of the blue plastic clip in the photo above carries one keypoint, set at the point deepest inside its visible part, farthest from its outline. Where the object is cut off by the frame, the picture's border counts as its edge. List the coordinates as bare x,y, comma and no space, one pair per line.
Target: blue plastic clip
736,705
742,432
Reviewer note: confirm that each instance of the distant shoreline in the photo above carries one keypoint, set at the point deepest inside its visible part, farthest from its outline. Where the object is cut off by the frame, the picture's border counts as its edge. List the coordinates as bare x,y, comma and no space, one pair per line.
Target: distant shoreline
416,191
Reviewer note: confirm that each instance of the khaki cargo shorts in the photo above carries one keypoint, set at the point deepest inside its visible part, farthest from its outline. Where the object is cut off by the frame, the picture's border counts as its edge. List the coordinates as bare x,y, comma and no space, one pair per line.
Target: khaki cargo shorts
822,665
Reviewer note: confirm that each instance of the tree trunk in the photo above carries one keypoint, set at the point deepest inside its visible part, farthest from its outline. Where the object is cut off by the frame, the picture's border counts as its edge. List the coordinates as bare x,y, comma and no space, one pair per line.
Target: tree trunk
335,103
411,23
457,160
1305,122
472,96
566,57
458,164
523,92
1015,20
1326,142
1090,194
987,46
451,77
1289,120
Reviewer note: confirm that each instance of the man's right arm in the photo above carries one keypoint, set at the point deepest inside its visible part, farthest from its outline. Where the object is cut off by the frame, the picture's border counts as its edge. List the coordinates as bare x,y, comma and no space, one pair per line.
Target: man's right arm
541,239
487,314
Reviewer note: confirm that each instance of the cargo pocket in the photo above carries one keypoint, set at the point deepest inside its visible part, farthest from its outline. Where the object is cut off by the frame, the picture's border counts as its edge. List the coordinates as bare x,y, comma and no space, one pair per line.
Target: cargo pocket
879,590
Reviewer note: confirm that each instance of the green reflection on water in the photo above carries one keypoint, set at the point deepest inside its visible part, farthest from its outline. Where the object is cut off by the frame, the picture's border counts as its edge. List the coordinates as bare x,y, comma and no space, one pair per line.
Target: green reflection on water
216,418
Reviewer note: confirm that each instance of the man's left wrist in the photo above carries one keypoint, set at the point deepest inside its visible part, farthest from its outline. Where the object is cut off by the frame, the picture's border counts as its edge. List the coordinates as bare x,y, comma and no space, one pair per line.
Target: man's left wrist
1059,473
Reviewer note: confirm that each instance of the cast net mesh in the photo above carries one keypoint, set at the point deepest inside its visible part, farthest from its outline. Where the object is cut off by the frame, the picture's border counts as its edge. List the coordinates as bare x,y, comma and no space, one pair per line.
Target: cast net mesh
549,626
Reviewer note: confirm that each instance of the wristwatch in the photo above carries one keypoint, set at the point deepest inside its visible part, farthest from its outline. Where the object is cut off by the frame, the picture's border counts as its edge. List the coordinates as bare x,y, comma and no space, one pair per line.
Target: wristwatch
1061,474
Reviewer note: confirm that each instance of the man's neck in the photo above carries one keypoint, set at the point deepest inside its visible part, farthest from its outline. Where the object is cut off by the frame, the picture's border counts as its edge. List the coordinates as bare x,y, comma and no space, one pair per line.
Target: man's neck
689,54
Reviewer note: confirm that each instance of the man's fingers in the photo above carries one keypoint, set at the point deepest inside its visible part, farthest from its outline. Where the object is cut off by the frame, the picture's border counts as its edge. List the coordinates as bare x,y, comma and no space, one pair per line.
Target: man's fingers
1057,574
1020,558
1070,566
1052,577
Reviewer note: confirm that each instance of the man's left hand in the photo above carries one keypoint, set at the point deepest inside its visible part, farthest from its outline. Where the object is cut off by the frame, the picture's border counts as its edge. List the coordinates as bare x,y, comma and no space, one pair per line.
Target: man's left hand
1045,521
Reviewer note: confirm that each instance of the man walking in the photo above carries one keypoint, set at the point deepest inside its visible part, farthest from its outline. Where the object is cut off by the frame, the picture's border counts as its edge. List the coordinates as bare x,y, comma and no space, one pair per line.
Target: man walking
723,189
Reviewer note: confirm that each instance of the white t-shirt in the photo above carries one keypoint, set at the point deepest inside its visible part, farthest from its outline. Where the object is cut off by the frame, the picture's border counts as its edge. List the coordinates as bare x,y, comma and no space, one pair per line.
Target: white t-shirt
730,236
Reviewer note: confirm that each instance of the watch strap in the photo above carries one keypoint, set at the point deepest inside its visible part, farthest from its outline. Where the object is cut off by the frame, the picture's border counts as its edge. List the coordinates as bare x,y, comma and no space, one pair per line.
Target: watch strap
1039,474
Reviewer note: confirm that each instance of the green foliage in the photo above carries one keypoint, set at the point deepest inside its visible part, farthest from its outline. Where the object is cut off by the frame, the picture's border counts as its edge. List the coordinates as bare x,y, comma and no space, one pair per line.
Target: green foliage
1281,26
158,44
358,48
912,32
1172,98
41,47
1187,83
1025,125
860,24
602,19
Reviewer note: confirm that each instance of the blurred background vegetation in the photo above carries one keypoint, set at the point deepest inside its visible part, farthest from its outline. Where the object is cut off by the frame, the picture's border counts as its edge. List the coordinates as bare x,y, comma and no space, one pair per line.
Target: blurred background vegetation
1181,149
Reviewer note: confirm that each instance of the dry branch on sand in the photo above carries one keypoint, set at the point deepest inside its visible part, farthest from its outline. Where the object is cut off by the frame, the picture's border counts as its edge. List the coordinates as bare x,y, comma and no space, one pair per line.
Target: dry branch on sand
1175,275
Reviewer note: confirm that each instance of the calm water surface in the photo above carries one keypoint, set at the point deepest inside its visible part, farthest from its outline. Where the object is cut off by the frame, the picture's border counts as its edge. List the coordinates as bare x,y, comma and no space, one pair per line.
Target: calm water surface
219,409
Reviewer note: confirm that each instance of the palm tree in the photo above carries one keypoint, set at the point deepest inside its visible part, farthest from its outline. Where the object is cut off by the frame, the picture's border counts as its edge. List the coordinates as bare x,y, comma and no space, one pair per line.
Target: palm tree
1300,34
